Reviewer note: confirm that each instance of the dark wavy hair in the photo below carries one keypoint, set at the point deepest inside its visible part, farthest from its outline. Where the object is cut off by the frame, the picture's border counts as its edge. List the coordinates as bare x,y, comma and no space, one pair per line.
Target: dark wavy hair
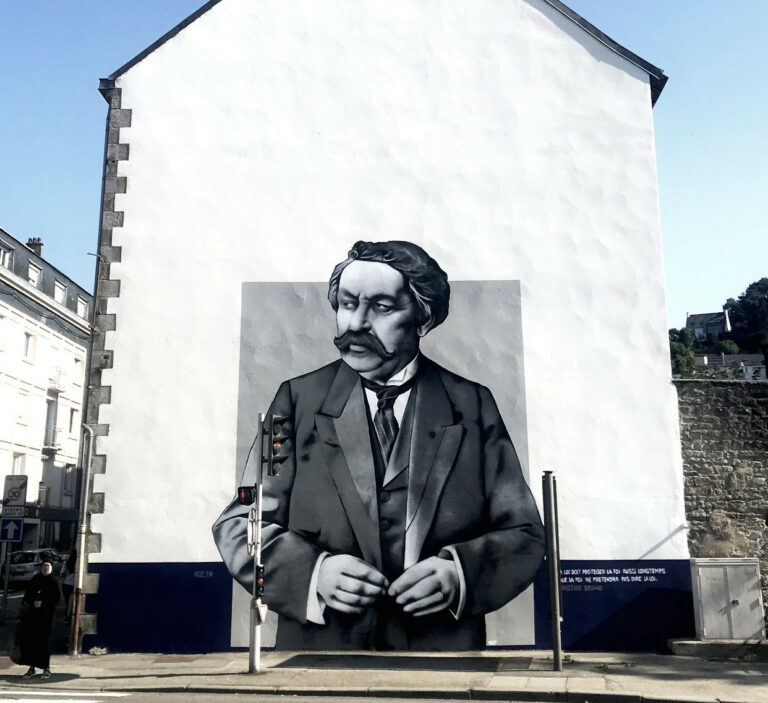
427,282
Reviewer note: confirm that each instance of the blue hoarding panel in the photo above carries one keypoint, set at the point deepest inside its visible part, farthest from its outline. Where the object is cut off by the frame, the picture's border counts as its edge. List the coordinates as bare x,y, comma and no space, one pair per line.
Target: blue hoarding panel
182,608
618,605
186,607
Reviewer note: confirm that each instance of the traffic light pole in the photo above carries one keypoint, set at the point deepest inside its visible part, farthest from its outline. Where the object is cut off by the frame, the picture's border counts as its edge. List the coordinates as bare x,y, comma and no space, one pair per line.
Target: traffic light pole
271,438
254,518
254,647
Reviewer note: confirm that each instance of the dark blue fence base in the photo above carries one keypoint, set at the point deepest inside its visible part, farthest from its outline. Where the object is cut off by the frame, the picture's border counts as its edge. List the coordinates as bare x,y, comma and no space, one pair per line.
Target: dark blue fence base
624,606
185,608
180,608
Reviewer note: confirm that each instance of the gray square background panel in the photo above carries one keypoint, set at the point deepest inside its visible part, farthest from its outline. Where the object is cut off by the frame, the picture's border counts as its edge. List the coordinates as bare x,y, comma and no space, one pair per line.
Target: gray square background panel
287,329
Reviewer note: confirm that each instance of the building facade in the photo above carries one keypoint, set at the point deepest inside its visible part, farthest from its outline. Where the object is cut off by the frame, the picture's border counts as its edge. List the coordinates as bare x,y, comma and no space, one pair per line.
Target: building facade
44,336
247,151
708,326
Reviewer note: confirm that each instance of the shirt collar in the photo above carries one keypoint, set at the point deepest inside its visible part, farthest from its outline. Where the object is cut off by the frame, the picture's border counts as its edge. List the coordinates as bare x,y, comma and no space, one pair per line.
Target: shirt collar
405,374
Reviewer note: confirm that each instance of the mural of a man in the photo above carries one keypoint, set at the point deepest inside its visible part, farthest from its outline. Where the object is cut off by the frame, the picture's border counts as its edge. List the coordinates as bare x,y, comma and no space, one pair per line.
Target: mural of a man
401,516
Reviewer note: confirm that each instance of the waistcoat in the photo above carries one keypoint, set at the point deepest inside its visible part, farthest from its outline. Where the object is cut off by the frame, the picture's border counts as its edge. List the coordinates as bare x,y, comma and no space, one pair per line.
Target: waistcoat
392,502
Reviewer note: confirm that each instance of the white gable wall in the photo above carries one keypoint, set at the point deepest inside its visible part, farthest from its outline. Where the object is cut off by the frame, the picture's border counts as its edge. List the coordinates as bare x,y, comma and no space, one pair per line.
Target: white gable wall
268,136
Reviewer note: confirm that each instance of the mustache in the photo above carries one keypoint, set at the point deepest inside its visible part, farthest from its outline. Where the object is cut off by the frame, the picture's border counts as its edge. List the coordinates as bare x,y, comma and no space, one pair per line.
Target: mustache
362,339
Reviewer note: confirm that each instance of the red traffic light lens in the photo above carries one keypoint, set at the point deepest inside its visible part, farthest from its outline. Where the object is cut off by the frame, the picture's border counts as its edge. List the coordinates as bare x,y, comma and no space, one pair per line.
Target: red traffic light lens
246,495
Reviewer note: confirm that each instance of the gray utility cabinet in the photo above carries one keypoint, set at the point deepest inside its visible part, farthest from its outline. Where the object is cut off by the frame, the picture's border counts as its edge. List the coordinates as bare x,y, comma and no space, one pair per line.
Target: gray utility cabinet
727,600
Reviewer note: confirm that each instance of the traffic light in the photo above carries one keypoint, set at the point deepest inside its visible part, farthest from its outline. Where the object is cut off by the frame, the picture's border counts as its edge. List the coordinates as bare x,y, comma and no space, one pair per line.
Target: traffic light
246,495
277,452
259,576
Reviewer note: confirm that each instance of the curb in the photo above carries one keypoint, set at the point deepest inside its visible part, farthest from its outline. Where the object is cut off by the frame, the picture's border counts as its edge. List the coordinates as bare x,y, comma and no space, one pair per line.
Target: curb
482,694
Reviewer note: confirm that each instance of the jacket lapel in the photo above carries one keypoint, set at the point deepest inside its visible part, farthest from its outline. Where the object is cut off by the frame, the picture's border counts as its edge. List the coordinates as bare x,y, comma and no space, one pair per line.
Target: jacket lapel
435,442
342,425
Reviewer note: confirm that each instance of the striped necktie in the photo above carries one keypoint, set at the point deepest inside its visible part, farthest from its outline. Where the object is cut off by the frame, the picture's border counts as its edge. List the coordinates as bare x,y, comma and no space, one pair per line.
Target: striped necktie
384,421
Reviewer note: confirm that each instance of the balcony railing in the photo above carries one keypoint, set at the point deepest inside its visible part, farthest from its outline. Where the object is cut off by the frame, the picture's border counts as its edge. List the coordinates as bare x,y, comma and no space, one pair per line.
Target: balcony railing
57,379
52,438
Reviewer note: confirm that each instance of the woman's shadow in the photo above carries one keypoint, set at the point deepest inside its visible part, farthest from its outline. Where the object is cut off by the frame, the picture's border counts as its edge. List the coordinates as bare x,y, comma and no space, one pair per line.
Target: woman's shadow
19,680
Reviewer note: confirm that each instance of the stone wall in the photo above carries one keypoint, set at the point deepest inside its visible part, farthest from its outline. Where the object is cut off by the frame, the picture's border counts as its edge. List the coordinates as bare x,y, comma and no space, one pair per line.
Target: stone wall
724,435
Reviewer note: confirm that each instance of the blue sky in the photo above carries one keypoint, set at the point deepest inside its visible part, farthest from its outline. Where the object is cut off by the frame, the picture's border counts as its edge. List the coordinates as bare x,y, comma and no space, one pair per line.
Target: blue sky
711,139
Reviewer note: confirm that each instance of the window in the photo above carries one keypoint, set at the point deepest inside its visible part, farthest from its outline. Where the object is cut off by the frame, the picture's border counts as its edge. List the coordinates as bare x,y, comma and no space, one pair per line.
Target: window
82,307
51,413
78,375
29,346
23,558
69,479
73,421
5,255
22,408
17,467
60,292
35,274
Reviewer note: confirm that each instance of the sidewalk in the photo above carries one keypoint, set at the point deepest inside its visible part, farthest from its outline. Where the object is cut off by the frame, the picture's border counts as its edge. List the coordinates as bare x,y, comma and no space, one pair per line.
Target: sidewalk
519,675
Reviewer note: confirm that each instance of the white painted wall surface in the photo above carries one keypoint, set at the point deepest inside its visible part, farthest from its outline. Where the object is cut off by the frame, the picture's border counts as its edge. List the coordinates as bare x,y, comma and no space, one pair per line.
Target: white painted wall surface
268,136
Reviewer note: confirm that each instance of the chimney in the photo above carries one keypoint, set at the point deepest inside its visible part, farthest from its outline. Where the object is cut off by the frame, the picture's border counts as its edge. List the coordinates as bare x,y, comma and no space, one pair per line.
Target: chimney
36,245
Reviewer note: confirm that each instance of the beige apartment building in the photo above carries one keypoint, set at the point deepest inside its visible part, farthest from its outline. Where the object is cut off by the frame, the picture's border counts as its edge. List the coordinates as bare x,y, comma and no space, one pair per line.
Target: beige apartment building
44,335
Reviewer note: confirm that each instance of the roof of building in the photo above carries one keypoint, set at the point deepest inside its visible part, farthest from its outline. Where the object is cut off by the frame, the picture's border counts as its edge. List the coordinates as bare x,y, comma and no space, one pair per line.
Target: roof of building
705,318
15,242
655,74
729,359
52,298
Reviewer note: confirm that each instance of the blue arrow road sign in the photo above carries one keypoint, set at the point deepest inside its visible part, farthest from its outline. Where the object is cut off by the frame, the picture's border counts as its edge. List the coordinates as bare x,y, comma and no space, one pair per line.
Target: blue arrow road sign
10,529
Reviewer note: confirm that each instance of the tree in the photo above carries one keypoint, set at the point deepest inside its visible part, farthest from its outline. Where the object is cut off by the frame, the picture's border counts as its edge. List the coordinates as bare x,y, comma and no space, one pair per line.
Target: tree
726,346
681,351
749,318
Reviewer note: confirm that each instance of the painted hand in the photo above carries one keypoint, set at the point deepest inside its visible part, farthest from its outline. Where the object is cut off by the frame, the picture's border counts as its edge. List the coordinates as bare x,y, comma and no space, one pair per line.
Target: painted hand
348,584
427,587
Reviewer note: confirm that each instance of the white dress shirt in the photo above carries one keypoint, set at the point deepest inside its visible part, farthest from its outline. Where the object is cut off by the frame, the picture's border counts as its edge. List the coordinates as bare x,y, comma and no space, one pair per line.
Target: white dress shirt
403,376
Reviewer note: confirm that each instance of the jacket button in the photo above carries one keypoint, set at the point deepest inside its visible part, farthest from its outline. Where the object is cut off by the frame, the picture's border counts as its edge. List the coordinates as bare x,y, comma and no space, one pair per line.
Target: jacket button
385,525
384,496
431,435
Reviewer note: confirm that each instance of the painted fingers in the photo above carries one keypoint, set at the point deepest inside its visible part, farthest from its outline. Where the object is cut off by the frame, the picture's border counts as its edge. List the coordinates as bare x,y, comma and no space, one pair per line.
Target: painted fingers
427,587
348,584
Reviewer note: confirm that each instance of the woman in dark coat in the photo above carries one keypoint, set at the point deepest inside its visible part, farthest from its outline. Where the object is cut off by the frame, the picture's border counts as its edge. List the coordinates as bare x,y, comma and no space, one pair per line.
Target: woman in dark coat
38,605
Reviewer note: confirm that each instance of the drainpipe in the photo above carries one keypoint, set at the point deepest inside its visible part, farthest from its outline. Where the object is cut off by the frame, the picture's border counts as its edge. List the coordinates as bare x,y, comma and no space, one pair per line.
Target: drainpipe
75,641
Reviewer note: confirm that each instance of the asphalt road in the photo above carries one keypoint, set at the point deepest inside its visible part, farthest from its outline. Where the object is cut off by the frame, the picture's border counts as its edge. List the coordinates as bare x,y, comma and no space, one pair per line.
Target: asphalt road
40,694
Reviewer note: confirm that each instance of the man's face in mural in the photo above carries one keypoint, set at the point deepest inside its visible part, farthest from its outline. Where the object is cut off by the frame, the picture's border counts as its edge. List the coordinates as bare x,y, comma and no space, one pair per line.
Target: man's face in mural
376,320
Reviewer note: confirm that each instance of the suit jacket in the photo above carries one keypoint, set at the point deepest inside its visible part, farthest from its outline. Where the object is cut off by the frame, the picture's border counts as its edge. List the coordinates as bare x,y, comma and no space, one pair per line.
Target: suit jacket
465,489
